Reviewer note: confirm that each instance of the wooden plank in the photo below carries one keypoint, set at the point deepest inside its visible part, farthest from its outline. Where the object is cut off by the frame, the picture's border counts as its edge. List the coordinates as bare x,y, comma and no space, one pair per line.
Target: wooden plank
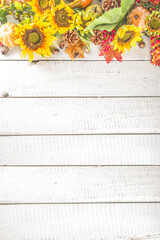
79,115
133,54
79,184
79,79
81,222
80,150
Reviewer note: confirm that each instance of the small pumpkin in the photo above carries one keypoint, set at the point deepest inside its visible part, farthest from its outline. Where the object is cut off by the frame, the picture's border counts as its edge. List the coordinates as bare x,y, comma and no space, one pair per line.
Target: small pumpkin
137,17
80,3
7,36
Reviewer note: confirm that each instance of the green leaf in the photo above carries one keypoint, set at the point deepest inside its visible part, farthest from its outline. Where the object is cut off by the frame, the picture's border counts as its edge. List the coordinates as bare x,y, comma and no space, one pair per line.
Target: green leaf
18,5
125,5
27,8
3,20
3,14
13,7
109,20
85,38
108,27
121,23
109,17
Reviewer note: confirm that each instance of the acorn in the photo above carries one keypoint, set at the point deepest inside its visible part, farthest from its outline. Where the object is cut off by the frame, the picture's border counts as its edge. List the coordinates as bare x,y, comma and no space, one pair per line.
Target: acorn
5,50
142,44
62,45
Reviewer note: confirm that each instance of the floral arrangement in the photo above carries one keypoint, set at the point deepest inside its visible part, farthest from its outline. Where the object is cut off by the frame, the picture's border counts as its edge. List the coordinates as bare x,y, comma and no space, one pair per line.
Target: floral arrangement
115,25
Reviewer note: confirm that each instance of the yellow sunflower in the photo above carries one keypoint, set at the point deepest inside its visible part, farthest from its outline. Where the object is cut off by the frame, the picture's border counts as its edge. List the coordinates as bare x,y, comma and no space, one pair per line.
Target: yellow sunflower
36,37
40,6
61,17
126,37
153,23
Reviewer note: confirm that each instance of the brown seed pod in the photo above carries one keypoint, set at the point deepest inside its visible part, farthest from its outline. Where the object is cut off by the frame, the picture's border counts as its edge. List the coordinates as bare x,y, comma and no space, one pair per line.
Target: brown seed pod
142,45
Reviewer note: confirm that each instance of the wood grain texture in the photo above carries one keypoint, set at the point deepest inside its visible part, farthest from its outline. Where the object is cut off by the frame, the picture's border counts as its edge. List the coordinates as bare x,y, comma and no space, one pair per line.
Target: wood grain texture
80,222
80,79
79,115
79,184
80,150
133,54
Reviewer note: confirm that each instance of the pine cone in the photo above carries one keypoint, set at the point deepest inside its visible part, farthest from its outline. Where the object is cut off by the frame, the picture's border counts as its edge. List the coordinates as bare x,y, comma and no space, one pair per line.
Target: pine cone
97,38
109,4
71,37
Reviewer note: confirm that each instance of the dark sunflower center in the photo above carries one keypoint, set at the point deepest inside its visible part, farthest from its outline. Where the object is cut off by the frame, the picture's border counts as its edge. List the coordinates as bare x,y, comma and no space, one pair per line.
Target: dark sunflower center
33,38
155,23
128,36
43,5
62,18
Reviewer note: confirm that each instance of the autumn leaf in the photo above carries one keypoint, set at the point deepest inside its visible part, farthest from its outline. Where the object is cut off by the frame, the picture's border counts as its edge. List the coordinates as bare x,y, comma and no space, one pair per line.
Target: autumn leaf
110,53
76,50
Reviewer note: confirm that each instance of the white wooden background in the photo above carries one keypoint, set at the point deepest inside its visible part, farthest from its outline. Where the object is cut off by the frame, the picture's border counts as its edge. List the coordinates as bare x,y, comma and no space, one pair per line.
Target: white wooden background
80,148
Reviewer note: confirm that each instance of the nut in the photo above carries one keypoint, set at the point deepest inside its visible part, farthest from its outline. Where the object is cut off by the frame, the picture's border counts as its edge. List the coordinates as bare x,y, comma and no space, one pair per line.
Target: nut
5,50
54,50
5,94
86,49
62,45
142,44
76,54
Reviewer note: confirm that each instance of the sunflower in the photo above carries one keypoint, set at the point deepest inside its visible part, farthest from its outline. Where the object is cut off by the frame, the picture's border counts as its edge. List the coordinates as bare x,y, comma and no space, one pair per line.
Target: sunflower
61,17
40,6
126,37
153,23
81,20
36,37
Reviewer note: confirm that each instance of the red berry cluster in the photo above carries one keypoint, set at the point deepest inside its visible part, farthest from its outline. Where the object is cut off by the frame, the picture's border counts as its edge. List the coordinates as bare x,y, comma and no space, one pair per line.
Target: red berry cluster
155,45
108,38
119,2
155,40
155,2
152,5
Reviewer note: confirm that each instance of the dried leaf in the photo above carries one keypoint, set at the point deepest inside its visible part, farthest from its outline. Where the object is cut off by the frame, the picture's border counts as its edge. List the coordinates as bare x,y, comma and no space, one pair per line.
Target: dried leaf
76,50
110,54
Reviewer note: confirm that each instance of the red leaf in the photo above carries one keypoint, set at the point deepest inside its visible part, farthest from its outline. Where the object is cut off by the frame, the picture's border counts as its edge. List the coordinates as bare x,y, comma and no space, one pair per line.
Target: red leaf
110,53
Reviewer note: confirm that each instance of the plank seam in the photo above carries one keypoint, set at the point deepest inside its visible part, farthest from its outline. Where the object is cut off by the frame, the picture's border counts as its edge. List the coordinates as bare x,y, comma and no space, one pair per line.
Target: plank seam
72,97
85,166
79,134
77,203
